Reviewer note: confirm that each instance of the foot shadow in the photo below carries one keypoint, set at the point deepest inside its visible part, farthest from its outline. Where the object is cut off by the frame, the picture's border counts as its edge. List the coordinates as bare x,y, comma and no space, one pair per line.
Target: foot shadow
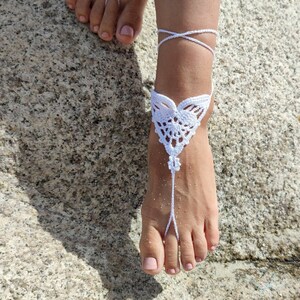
77,108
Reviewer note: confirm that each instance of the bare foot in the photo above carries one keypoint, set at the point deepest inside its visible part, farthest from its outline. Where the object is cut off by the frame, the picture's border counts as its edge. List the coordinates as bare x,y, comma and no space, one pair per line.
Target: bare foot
196,207
122,18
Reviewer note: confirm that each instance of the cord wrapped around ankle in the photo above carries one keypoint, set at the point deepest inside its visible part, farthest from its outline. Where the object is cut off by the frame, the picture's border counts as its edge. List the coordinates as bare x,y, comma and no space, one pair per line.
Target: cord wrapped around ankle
175,125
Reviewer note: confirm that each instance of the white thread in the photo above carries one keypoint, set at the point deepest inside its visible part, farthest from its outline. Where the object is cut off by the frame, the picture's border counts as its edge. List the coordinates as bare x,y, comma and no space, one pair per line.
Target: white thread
176,125
172,214
174,35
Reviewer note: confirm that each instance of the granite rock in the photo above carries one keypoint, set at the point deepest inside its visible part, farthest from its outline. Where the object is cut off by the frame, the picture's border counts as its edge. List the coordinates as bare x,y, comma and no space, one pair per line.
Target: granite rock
74,120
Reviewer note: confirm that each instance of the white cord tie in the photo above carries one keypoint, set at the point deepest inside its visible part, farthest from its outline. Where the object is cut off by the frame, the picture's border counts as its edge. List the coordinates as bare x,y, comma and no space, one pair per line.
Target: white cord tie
185,35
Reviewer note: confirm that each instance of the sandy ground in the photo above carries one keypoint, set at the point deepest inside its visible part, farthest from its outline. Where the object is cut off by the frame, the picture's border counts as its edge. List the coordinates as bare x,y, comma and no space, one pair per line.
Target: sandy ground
74,119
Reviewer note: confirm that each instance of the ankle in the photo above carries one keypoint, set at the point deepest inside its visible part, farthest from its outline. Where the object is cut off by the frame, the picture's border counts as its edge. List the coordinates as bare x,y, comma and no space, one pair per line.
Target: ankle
183,70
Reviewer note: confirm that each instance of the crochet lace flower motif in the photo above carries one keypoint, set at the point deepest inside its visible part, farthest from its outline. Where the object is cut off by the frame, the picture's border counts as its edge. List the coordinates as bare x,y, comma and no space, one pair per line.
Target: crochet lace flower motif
176,125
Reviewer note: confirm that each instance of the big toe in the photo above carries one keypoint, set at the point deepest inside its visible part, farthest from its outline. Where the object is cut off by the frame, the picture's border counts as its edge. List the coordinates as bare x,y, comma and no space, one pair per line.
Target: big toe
130,21
152,250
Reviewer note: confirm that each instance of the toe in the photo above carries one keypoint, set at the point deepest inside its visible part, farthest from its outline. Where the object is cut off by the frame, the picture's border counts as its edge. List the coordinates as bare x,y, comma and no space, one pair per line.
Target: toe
71,3
130,21
187,254
200,244
96,15
152,250
82,10
109,20
212,232
172,265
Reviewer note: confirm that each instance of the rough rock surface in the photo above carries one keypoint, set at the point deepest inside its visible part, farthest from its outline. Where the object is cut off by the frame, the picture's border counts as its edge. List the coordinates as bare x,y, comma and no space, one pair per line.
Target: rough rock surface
74,119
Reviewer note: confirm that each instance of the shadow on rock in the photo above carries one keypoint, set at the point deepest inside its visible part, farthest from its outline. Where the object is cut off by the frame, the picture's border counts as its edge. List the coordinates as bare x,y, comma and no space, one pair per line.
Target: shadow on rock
77,107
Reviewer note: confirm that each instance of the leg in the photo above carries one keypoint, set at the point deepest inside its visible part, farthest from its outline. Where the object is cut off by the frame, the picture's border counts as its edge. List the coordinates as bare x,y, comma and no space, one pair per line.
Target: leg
108,17
183,70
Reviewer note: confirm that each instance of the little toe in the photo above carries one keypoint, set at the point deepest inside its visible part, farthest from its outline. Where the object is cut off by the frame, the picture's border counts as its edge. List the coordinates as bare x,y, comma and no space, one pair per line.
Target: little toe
172,265
96,15
109,20
200,244
130,21
71,3
152,250
82,10
212,233
187,254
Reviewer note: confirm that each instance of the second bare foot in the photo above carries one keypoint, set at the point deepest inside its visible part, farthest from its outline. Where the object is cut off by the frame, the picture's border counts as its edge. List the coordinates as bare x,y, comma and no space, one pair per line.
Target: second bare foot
121,18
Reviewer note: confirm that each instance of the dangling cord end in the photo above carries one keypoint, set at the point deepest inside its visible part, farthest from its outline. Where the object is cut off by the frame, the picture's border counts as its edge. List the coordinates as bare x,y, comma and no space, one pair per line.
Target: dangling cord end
174,165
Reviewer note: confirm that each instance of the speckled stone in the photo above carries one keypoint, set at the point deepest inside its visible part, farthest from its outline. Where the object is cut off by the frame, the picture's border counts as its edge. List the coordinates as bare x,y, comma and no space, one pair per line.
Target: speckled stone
74,120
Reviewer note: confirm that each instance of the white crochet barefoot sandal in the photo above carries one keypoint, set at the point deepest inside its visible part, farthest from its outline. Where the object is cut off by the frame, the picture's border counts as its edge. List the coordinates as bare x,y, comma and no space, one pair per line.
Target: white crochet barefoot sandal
175,125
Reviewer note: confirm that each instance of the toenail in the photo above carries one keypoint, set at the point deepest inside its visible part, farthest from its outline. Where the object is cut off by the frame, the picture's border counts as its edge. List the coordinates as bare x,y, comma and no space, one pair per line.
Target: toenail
198,259
188,267
150,263
82,19
213,248
127,30
95,28
105,35
70,6
171,271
